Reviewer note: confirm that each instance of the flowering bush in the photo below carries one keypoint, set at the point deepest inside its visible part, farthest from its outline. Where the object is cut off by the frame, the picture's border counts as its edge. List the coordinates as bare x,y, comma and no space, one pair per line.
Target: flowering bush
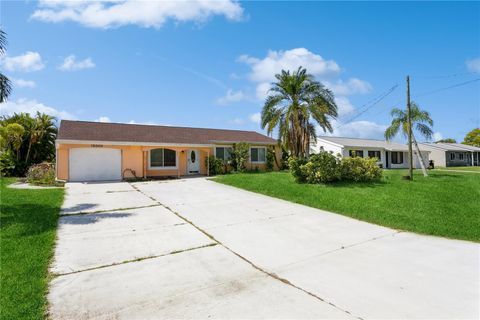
42,173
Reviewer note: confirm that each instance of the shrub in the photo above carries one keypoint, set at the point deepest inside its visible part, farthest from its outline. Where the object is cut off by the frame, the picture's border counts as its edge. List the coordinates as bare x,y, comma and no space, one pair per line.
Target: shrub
360,169
215,165
324,167
42,173
240,153
270,158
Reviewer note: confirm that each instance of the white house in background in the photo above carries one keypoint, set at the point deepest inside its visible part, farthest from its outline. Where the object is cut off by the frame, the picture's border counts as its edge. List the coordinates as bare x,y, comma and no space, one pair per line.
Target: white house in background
452,154
391,155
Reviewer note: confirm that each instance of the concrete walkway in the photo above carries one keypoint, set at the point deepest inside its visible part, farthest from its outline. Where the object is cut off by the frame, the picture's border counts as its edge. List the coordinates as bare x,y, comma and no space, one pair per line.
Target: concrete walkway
193,248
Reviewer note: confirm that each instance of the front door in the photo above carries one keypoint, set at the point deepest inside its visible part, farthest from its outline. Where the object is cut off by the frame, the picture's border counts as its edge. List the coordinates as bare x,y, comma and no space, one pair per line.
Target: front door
193,161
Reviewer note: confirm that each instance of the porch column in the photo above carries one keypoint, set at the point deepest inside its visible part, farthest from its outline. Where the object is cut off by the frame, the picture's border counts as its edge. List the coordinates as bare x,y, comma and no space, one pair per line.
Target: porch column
144,164
472,159
208,162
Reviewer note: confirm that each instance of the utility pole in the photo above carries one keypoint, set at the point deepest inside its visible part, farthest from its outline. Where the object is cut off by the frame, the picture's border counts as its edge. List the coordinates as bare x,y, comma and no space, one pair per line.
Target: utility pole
409,114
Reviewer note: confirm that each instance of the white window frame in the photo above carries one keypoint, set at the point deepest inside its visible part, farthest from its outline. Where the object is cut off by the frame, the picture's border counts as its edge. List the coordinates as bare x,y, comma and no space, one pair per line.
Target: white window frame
162,168
398,156
224,148
250,154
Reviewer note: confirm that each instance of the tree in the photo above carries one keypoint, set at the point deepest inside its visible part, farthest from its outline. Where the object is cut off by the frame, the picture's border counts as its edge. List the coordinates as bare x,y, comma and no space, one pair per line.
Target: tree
447,140
294,100
421,121
26,140
5,86
473,138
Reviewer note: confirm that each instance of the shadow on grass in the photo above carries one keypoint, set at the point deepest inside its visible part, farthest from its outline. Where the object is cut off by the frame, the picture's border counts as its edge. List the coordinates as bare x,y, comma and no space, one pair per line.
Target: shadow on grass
28,219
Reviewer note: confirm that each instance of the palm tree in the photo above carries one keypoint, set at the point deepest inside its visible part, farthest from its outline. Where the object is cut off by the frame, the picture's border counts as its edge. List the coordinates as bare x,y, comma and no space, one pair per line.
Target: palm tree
5,87
421,121
296,98
43,129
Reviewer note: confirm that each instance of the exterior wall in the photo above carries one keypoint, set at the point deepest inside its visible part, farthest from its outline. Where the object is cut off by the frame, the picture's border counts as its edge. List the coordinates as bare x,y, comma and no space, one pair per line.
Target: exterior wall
438,156
136,158
382,161
326,146
457,162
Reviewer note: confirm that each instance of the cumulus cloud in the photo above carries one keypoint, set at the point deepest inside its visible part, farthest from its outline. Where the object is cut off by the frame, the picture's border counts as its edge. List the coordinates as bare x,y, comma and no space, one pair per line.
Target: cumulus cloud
473,65
230,97
21,83
103,119
32,106
71,63
116,13
437,136
27,62
255,118
349,87
358,129
237,121
344,106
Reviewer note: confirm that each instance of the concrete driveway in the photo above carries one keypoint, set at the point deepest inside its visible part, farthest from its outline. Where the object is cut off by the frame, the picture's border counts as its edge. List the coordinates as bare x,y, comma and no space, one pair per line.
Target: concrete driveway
193,248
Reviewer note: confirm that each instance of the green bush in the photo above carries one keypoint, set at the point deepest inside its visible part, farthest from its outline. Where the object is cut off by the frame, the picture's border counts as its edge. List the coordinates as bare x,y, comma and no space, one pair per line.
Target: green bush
215,165
324,167
360,169
270,158
42,173
240,154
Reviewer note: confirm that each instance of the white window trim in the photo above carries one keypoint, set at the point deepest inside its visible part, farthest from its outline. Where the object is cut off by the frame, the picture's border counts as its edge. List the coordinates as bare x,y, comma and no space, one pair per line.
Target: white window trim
250,154
162,168
224,147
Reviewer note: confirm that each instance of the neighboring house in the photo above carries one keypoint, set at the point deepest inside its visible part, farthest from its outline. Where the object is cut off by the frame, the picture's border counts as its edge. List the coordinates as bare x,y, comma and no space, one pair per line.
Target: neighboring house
452,154
389,154
95,151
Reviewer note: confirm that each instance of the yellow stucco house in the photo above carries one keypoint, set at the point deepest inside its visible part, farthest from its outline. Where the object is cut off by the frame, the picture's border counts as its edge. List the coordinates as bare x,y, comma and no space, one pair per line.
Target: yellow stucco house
95,151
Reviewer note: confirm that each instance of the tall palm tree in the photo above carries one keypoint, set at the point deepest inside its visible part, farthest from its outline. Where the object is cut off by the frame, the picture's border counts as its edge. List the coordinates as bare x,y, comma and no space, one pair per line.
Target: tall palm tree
42,131
421,121
294,100
5,86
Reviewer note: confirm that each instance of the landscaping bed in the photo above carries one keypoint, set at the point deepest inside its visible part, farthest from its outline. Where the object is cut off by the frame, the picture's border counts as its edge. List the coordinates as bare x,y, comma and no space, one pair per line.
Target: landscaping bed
444,204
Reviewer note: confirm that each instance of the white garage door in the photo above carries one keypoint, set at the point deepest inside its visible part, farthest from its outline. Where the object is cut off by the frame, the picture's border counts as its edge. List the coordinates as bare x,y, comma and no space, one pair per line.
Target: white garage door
95,164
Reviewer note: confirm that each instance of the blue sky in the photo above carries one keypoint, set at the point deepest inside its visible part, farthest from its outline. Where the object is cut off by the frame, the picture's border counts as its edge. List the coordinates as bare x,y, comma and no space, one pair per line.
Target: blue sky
210,64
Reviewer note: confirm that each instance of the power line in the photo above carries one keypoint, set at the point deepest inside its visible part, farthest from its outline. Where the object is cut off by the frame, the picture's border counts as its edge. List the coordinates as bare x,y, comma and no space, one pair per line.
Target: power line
447,88
447,75
368,107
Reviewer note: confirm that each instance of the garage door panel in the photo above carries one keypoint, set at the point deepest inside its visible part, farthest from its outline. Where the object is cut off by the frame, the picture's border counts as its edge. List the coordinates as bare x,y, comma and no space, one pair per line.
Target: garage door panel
95,164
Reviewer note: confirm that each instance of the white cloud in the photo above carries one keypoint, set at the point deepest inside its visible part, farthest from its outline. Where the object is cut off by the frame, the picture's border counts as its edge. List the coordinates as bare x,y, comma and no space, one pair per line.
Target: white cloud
70,63
32,106
437,136
255,118
238,121
473,65
149,123
103,119
352,86
116,13
230,97
344,106
21,83
27,62
358,129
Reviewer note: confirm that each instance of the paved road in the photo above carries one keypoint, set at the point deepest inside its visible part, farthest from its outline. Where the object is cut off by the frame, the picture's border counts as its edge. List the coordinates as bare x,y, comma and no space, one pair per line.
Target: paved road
193,248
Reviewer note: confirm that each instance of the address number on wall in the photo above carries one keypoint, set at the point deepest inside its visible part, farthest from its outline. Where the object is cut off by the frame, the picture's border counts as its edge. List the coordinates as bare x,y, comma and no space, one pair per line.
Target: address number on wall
97,145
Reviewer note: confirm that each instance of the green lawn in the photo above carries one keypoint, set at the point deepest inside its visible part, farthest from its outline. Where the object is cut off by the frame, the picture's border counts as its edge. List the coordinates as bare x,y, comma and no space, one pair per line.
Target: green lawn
476,169
444,204
27,235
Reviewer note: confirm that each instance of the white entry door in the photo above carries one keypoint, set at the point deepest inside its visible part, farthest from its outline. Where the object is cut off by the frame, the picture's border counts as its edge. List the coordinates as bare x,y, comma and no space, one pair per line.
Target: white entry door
95,164
193,161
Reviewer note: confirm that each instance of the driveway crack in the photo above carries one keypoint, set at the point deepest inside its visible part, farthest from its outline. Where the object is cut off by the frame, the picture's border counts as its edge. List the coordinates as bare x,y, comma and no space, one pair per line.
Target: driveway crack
268,273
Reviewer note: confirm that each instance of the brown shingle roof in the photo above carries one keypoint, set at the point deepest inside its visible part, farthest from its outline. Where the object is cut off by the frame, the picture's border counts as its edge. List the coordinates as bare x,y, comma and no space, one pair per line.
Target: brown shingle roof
122,132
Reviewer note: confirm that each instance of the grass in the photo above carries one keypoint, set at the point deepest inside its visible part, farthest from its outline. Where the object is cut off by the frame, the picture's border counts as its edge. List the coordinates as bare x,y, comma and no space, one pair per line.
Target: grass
28,222
444,204
476,169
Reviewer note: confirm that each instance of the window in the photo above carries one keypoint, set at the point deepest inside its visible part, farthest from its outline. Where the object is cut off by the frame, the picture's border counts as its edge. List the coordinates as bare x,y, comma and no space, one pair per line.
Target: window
163,158
224,153
460,156
397,157
452,156
375,154
258,154
356,153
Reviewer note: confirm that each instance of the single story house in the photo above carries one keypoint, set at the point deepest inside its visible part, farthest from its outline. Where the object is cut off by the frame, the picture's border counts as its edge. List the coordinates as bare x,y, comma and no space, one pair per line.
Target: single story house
95,151
389,154
452,154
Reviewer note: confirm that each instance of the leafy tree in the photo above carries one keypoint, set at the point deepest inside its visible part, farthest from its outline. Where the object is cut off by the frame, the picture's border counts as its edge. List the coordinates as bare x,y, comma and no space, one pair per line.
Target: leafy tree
5,86
421,121
240,153
295,99
26,140
473,138
447,140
